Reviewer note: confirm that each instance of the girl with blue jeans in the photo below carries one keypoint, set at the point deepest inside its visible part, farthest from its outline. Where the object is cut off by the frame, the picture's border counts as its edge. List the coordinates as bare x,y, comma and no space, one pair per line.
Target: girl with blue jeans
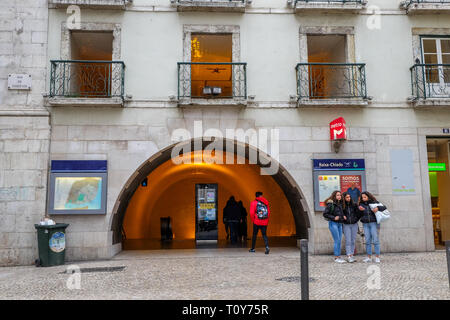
350,225
335,216
369,221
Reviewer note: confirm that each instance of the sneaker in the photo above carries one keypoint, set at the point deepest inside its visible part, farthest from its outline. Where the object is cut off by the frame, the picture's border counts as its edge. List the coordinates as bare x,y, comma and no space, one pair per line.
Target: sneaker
267,250
351,259
251,250
377,260
339,260
367,259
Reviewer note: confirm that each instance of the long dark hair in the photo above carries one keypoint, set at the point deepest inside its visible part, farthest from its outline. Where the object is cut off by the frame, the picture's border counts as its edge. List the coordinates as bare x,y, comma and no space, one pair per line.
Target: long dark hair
369,195
333,197
351,203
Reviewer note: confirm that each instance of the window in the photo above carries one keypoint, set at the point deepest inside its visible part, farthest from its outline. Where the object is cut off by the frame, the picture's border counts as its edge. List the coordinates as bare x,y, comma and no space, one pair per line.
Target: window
436,56
211,79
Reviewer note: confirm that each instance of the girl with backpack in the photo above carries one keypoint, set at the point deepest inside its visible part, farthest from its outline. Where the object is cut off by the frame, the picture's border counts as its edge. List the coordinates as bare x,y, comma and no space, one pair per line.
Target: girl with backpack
350,225
335,216
369,221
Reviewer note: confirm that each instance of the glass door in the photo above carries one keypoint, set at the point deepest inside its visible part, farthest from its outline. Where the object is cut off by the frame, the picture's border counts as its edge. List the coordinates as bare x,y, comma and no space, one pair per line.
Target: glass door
436,56
206,220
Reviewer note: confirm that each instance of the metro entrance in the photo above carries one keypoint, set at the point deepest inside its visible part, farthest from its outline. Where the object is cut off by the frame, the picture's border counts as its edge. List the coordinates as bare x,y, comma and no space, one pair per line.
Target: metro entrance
187,201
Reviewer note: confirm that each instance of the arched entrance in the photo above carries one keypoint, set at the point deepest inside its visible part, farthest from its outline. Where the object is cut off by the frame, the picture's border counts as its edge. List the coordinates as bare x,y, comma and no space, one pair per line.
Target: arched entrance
239,180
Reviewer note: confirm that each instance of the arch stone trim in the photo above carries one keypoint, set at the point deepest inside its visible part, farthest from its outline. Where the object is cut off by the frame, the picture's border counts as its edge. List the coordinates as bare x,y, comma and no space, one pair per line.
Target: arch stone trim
286,182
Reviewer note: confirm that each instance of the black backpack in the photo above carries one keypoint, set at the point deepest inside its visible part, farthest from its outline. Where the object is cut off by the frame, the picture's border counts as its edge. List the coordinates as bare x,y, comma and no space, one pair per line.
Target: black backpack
261,211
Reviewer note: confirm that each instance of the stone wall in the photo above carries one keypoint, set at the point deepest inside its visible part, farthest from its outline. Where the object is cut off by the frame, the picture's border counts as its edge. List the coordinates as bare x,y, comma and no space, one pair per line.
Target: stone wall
139,133
24,129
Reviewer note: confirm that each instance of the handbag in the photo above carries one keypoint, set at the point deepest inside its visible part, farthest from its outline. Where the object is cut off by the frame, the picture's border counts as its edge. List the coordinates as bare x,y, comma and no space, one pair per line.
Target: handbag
380,215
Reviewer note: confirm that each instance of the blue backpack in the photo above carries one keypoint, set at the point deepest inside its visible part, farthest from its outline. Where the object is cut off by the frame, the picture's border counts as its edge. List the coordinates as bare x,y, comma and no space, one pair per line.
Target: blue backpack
261,211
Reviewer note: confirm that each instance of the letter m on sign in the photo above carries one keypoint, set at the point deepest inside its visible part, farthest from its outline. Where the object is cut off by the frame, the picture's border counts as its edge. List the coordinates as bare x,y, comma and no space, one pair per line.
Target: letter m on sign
338,129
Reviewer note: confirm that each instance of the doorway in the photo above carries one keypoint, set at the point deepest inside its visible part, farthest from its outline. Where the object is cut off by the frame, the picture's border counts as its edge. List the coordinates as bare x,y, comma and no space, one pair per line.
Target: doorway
206,213
438,171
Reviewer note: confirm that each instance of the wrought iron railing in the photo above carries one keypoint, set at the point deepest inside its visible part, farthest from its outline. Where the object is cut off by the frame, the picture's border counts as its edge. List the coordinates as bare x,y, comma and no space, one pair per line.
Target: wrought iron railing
212,80
430,81
329,1
331,80
85,78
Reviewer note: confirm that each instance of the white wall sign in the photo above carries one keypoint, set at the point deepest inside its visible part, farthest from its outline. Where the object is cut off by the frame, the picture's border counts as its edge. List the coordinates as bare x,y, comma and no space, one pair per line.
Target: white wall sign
19,82
402,172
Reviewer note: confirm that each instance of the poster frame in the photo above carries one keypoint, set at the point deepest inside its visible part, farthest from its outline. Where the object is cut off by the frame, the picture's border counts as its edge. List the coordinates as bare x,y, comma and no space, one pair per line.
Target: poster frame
316,172
51,194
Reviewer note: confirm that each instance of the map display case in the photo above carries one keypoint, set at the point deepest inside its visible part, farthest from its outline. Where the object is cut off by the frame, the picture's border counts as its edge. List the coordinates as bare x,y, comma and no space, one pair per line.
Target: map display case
77,187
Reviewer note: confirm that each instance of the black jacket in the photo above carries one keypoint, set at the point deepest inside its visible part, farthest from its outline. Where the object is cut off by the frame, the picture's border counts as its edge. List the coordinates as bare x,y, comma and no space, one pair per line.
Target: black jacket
231,212
368,215
332,210
352,213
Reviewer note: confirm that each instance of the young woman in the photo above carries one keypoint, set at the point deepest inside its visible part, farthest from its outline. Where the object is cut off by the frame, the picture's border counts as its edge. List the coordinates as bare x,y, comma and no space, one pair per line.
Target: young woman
350,226
370,224
335,216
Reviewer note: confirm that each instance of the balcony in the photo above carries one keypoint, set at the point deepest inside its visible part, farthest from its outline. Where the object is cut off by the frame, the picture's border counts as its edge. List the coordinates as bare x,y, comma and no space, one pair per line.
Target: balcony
95,4
211,5
336,6
426,6
430,85
86,83
331,84
212,83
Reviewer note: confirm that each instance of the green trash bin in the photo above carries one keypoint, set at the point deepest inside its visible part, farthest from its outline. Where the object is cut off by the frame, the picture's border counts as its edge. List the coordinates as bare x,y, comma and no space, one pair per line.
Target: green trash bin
51,244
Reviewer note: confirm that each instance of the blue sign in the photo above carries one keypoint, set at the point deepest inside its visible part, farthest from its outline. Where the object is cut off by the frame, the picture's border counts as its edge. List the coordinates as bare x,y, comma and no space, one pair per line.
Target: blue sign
339,164
79,165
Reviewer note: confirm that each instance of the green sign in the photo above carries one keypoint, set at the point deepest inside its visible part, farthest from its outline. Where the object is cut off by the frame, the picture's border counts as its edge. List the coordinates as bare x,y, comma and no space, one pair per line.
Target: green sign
437,167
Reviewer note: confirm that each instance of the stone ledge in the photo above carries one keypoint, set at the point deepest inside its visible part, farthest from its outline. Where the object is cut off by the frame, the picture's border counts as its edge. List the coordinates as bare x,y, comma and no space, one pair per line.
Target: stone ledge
332,102
425,8
430,102
84,102
215,6
95,4
212,102
334,7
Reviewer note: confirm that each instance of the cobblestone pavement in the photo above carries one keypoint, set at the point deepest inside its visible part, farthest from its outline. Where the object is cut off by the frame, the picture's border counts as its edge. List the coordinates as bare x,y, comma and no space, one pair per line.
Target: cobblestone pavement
232,274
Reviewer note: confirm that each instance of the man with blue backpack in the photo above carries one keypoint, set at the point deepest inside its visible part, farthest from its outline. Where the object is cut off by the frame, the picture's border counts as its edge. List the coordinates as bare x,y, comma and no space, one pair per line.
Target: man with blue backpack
259,213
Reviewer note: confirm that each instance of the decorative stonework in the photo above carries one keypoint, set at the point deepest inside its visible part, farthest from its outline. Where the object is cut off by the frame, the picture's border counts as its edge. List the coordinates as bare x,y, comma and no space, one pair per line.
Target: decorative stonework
91,26
188,29
419,7
95,4
215,6
330,103
333,7
349,32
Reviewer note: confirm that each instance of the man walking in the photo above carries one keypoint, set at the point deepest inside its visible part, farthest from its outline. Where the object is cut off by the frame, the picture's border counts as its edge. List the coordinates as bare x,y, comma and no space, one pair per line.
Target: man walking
259,213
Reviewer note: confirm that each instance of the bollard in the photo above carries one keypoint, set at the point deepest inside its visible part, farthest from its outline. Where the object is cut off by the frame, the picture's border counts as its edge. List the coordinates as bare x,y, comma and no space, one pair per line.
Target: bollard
304,272
447,250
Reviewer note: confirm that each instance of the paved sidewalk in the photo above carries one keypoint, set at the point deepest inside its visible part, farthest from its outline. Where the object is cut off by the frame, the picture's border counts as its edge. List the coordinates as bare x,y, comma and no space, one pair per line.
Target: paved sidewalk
232,274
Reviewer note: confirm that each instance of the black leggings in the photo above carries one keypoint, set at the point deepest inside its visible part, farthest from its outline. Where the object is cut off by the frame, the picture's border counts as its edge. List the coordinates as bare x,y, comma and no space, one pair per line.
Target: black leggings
256,228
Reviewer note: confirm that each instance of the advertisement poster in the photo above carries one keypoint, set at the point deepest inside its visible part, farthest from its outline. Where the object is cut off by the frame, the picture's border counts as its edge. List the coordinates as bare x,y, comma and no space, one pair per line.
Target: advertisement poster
327,184
348,180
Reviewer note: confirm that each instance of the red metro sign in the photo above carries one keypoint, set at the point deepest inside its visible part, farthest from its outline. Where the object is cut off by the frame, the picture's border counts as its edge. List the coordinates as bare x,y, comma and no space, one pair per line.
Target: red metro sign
338,129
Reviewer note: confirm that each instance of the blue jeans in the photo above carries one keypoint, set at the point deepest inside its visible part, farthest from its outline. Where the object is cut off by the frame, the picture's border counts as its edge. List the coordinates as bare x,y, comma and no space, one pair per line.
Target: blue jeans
336,232
350,237
371,234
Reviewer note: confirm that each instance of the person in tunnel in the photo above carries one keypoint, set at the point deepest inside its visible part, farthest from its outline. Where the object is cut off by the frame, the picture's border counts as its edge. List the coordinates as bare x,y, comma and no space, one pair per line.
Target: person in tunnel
242,223
260,213
232,214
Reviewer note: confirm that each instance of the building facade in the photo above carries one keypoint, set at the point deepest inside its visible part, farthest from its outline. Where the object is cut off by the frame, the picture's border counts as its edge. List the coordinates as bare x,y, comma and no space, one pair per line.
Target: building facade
119,82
